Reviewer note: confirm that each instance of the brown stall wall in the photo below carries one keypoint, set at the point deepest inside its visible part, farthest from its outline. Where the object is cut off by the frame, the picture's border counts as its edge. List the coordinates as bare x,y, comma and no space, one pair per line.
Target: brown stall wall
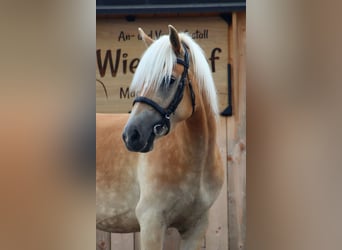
119,48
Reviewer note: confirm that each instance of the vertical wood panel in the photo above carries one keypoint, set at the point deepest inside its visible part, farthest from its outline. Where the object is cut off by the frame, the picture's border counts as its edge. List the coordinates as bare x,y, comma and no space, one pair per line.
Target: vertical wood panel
136,241
102,240
122,241
237,135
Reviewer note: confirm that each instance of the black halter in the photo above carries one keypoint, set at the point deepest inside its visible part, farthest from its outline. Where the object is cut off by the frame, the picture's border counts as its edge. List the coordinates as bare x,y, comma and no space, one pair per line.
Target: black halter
163,126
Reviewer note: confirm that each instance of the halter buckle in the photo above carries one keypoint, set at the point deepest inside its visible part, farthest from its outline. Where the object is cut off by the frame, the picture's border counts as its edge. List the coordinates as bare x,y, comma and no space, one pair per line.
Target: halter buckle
160,130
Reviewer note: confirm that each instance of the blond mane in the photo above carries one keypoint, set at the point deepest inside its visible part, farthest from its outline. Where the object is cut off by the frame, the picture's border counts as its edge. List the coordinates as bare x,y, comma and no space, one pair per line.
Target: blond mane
158,61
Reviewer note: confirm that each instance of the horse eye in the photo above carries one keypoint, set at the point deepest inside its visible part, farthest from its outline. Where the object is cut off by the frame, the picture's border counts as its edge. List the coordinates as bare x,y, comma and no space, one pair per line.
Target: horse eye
166,83
172,80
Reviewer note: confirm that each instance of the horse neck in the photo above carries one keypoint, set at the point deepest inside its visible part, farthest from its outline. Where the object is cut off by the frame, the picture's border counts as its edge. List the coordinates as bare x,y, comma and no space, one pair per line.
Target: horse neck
201,127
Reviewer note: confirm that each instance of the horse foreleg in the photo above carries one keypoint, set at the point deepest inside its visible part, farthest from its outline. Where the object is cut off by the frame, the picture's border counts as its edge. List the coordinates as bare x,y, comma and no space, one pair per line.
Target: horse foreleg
152,231
192,239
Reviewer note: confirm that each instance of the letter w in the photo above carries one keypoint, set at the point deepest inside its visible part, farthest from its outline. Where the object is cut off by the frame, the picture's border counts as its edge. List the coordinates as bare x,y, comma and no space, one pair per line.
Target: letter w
108,58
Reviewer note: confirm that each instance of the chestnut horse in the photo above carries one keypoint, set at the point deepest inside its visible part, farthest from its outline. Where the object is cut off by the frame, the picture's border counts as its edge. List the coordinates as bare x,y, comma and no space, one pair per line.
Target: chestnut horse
160,166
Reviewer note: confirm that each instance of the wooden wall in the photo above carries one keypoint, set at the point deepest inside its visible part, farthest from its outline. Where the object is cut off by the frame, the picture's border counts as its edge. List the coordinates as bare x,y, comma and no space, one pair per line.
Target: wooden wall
236,135
227,222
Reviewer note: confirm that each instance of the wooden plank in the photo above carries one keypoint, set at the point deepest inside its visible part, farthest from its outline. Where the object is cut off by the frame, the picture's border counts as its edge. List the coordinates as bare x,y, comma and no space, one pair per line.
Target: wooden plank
122,241
237,135
136,241
102,240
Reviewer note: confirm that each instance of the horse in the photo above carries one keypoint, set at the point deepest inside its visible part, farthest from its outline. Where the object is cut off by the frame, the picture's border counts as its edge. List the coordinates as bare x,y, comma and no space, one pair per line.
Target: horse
160,166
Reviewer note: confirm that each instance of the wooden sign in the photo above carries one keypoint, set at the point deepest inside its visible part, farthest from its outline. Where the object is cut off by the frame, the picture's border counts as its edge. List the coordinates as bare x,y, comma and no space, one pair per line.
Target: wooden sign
119,48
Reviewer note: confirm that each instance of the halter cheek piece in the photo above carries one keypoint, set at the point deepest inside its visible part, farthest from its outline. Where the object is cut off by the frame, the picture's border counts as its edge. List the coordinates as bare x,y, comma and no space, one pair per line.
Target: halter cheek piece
162,127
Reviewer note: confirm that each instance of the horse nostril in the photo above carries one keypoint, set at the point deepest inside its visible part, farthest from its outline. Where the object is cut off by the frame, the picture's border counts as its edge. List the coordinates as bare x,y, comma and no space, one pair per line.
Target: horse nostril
132,136
135,135
134,139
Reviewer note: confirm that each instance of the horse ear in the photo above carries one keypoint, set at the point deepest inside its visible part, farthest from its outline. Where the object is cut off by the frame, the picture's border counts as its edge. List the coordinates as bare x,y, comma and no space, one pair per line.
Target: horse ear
147,40
174,39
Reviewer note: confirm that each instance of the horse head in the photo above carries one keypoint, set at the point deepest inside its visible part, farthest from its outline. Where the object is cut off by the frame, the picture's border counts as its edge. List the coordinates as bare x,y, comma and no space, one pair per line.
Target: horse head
165,94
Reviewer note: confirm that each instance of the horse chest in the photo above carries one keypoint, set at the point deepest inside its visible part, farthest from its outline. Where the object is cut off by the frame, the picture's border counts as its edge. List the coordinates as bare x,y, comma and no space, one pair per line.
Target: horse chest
177,198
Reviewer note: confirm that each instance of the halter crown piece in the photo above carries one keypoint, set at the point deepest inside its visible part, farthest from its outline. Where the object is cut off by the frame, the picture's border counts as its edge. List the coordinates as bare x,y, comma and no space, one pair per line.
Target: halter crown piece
163,126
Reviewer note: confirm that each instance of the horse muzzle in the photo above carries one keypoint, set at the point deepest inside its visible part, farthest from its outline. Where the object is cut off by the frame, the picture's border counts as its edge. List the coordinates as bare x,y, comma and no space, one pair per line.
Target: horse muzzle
136,141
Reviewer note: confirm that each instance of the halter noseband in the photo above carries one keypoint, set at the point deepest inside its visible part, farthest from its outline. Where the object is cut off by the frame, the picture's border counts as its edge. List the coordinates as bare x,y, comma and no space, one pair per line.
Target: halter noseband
163,126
